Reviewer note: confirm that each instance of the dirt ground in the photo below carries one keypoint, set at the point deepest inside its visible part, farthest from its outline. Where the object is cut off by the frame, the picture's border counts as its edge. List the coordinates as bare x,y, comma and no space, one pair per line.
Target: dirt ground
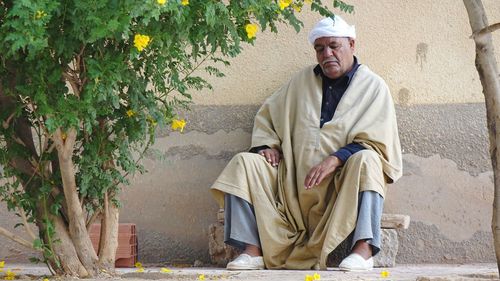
422,272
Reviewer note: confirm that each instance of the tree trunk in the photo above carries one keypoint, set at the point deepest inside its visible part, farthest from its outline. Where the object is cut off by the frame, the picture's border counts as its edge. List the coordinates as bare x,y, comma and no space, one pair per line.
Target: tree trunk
488,73
62,245
77,228
109,235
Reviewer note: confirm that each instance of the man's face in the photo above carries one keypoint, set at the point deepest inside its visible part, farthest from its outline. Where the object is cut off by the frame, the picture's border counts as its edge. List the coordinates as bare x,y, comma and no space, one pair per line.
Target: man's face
335,55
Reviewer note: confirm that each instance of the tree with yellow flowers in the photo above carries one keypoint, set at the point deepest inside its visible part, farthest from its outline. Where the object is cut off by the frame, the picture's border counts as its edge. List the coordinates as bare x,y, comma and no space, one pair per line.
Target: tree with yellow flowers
83,87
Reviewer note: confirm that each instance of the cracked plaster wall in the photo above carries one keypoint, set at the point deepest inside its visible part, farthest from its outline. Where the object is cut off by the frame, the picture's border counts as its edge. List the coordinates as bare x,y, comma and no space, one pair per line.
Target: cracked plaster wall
446,189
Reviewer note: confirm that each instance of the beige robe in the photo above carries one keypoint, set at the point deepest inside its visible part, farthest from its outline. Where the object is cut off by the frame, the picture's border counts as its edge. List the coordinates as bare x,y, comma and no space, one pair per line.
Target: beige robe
298,228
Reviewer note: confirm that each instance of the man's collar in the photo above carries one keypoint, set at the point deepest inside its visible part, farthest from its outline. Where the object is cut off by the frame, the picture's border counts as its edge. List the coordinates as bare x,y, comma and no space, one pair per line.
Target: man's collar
349,75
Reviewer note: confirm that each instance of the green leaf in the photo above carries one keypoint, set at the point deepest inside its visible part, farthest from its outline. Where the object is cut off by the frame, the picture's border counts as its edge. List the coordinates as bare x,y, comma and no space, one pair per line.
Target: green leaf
344,7
37,244
210,16
35,260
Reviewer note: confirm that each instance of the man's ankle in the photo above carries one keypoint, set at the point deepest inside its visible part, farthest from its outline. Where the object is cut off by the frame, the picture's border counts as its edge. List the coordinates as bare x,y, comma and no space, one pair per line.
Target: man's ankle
363,249
253,251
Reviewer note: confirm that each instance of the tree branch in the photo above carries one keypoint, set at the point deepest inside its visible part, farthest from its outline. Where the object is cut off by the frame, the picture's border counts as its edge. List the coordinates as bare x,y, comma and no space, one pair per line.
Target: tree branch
93,218
73,82
486,30
16,238
26,225
5,123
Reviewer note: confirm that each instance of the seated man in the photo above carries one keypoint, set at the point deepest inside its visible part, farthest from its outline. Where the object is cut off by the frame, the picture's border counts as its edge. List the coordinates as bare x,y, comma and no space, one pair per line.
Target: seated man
324,146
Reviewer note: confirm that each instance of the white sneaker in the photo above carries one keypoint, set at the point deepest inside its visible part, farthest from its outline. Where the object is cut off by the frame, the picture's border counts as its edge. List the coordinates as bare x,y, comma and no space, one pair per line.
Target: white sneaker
246,262
355,262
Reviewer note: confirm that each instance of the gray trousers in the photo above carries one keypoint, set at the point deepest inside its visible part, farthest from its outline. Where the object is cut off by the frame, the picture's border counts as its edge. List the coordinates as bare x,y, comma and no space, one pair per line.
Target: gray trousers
240,226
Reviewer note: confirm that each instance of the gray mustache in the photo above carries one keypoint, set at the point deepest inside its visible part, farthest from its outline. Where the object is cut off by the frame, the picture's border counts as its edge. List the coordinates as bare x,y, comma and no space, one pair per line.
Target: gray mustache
330,60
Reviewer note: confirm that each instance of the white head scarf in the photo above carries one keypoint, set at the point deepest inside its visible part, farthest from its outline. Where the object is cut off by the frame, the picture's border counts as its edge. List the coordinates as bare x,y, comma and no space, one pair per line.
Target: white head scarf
333,26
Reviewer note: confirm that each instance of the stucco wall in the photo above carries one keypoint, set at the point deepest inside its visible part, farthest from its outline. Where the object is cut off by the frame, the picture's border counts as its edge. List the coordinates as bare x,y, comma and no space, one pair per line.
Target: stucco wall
422,50
446,187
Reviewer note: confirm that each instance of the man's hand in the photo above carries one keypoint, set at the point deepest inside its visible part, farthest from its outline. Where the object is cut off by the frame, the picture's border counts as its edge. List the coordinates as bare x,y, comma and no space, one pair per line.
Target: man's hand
272,155
321,171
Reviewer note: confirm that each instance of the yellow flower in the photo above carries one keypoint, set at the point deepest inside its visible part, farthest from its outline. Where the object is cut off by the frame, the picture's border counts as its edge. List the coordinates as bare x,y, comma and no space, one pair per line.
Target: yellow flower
2,264
308,1
9,275
284,3
40,14
141,41
251,30
316,276
137,264
201,277
384,274
46,279
140,269
178,124
131,113
165,270
309,278
184,2
152,121
297,8
161,2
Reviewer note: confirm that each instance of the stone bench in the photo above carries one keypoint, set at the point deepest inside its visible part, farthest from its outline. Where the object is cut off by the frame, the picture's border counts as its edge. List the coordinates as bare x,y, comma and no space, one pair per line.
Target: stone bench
221,254
390,243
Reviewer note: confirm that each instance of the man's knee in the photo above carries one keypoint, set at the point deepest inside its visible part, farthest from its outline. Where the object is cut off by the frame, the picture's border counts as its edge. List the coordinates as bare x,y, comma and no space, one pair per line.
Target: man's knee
247,159
365,156
246,156
368,164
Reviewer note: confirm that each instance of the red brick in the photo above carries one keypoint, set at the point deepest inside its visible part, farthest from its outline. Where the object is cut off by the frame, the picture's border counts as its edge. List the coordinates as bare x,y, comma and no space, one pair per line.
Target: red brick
126,253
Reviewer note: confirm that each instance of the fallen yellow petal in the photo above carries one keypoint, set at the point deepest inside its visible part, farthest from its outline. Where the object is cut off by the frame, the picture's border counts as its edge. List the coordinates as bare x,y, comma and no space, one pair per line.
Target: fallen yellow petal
9,275
140,269
309,278
2,264
316,276
165,270
384,274
201,277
